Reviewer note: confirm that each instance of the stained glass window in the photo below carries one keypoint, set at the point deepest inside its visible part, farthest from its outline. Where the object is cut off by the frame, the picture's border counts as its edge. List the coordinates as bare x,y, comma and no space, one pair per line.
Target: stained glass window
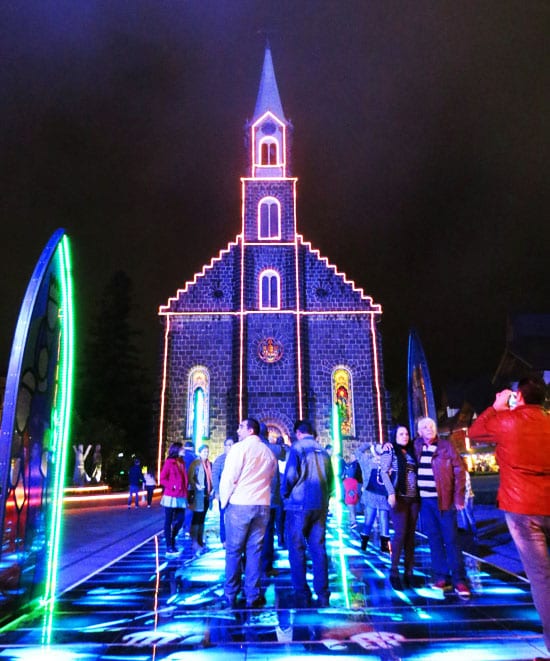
198,399
342,397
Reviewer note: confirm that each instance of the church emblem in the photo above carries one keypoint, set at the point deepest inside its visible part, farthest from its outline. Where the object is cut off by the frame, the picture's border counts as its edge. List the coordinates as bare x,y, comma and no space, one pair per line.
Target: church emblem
270,350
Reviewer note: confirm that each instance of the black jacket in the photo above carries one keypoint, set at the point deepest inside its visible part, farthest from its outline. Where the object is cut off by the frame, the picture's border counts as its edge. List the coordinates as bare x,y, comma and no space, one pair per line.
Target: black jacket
308,481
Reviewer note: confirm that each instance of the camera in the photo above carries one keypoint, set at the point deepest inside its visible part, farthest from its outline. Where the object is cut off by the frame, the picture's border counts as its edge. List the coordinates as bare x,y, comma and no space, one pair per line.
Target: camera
513,400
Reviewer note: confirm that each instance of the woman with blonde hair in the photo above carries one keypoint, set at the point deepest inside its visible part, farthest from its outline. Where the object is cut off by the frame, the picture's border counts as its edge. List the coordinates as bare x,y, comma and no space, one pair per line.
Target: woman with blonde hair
200,489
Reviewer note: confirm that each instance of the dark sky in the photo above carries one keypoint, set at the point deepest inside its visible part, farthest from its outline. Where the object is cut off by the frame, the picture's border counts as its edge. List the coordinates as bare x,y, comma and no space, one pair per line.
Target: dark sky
421,147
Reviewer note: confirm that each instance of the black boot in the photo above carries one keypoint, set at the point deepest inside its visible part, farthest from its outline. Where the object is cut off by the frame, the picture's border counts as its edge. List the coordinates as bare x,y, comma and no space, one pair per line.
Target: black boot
409,580
384,544
395,581
195,543
364,542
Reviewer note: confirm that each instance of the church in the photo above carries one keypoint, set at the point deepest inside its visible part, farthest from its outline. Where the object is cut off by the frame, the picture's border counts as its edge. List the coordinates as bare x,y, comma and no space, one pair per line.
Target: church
269,328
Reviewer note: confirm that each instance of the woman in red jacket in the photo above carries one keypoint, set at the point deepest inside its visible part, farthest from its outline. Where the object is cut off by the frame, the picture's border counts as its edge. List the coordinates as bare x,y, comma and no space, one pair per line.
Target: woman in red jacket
173,478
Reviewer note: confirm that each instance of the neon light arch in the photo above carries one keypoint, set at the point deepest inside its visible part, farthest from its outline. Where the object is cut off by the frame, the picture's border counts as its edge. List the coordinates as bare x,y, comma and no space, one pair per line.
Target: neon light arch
35,429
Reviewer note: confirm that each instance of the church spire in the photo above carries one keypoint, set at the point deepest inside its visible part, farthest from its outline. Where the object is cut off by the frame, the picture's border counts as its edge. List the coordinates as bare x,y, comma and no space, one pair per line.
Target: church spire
268,94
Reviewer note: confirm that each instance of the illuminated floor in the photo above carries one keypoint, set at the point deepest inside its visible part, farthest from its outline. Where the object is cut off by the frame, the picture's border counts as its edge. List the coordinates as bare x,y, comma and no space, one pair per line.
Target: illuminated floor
143,607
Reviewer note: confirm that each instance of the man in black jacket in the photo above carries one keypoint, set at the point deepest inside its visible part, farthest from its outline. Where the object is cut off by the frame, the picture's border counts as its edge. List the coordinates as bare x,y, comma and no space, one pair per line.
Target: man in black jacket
307,486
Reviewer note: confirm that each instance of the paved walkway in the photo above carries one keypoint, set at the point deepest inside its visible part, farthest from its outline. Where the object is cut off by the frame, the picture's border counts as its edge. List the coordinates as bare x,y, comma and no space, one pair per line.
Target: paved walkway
94,537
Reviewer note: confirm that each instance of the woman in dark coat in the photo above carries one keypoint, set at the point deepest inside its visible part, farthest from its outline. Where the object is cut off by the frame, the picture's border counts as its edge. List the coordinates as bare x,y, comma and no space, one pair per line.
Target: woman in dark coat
405,506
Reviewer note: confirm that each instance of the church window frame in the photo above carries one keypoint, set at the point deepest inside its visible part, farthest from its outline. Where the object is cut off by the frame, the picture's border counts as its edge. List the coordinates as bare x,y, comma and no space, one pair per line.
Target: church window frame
269,218
198,380
270,290
269,152
342,399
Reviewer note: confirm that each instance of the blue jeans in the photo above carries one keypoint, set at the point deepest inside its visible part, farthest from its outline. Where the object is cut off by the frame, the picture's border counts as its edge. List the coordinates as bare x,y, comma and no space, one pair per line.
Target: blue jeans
441,530
245,527
173,521
187,520
222,524
531,535
383,521
307,526
134,493
268,548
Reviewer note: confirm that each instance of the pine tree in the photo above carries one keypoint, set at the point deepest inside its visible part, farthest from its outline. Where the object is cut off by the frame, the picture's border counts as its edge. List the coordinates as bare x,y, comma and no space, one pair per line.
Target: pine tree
113,394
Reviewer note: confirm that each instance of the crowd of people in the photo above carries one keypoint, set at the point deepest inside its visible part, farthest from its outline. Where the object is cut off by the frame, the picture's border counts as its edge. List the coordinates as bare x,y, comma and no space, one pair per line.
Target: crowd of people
265,489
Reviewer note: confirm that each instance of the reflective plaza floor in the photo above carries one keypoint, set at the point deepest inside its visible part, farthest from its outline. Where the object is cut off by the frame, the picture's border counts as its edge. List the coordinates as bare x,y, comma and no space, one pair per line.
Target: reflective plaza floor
145,606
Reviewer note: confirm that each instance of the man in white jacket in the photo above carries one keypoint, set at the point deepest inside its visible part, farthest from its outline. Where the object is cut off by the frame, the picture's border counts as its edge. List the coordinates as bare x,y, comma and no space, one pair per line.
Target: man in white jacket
245,494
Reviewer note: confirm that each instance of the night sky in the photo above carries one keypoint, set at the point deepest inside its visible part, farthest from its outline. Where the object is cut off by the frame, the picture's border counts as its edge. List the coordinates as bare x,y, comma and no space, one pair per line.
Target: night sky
421,147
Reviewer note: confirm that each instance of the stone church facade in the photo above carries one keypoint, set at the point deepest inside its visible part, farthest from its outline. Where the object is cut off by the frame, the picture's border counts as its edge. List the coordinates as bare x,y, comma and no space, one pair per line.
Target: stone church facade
269,328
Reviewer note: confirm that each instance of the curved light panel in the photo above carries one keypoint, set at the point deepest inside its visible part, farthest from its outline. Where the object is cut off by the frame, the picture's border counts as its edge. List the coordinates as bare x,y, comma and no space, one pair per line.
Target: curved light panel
34,432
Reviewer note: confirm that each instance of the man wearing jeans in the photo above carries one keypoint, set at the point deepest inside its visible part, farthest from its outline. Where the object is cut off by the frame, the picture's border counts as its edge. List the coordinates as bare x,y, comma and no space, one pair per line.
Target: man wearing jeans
441,484
245,494
307,486
520,427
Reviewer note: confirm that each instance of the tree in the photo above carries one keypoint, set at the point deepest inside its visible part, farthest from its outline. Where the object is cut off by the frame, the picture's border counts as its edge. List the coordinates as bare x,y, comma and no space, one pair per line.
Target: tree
113,396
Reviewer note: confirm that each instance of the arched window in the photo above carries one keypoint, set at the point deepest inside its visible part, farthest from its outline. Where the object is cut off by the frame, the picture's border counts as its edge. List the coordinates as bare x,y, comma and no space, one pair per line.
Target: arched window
268,152
342,396
270,290
198,400
269,218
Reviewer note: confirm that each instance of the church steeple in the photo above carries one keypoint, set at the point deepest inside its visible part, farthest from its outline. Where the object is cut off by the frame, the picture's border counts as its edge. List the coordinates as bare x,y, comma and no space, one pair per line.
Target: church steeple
269,190
268,94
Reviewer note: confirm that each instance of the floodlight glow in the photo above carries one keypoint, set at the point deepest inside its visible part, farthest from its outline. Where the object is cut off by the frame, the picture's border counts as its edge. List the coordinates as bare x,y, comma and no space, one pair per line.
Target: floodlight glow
298,333
163,395
241,331
336,454
301,313
377,379
61,417
198,417
61,420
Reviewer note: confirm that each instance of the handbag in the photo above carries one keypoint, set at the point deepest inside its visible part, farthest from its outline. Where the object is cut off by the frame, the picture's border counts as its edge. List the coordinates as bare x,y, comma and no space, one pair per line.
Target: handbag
375,483
191,497
351,487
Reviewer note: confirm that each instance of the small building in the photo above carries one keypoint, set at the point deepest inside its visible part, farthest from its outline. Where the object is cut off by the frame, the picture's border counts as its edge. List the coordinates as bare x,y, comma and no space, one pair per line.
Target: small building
527,349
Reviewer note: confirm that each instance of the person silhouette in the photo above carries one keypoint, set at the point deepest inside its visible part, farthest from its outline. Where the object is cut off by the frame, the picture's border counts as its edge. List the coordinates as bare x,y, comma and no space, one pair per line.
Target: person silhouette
80,476
97,465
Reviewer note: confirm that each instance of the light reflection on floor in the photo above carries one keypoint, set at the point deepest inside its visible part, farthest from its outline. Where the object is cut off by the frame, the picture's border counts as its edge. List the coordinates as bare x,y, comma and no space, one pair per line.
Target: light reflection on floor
146,607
